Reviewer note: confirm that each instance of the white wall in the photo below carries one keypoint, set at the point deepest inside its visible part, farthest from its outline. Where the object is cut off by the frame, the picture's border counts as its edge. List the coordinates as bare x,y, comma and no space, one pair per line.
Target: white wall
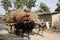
56,20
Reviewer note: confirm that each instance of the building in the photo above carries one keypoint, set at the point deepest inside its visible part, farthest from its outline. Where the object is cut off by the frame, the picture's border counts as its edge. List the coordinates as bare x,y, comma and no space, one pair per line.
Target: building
53,18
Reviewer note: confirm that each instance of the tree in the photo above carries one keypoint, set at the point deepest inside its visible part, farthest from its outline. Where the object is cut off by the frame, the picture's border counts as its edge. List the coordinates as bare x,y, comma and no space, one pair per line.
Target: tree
32,3
58,6
20,3
6,4
17,4
43,8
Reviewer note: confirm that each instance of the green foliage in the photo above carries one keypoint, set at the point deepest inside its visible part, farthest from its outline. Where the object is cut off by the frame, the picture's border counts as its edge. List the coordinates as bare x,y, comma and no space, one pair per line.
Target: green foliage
58,6
6,4
43,8
19,3
32,3
57,9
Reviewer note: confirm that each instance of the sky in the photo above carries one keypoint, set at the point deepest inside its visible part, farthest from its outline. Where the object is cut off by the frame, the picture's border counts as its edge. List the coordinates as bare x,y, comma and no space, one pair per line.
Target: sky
50,3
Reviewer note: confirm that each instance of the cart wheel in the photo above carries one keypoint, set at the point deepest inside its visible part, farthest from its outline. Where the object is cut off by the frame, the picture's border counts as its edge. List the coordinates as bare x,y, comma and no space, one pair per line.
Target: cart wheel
11,29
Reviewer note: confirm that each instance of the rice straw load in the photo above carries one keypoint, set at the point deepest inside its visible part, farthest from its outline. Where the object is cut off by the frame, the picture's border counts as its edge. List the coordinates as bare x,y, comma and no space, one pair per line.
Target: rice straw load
19,13
33,16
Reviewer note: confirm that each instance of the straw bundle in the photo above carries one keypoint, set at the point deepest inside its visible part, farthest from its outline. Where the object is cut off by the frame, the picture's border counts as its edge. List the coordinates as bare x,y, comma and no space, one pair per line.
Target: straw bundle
18,14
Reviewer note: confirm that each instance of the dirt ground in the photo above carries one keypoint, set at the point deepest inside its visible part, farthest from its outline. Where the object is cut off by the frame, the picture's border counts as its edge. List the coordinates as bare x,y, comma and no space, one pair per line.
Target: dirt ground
47,35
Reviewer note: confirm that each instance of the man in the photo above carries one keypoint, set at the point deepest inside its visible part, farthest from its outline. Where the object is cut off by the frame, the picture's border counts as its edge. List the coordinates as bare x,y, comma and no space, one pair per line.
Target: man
26,8
47,25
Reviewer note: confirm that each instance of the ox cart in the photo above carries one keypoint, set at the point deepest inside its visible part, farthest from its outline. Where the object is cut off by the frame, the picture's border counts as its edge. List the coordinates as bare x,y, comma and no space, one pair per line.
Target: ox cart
21,21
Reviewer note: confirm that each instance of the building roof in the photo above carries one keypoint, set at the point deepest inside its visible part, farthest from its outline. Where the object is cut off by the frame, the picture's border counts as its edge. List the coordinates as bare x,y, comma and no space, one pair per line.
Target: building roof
48,13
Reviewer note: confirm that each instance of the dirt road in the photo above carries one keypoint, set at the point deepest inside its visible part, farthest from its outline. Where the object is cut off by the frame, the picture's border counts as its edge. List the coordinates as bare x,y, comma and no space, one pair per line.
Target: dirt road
47,36
35,36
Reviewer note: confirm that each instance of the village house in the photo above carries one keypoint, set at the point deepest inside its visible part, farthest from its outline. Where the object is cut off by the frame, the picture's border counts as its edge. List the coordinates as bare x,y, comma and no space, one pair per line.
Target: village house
52,17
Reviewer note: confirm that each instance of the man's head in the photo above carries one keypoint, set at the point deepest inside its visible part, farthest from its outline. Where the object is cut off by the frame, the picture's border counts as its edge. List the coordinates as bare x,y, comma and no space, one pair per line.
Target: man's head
28,5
